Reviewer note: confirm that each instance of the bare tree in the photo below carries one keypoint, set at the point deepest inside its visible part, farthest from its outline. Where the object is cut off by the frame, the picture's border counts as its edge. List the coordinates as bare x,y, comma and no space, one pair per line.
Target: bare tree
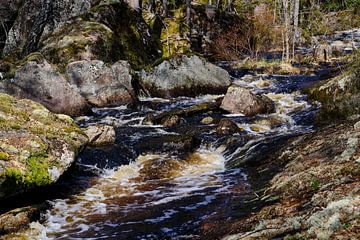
296,25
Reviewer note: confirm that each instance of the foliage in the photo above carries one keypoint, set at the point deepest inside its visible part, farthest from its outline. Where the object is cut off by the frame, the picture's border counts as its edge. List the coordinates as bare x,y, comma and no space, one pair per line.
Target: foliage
254,33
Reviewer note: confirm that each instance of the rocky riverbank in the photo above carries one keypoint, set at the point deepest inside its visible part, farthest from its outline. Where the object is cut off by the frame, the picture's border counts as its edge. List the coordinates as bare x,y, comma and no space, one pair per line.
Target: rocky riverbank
307,189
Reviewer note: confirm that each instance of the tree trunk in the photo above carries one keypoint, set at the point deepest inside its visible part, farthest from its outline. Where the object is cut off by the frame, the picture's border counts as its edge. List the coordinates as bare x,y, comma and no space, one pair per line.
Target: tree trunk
152,6
188,14
296,26
165,7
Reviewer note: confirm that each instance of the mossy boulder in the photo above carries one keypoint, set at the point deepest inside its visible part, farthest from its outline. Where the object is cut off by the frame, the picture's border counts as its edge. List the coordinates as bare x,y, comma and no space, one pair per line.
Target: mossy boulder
339,97
133,39
109,31
83,40
36,146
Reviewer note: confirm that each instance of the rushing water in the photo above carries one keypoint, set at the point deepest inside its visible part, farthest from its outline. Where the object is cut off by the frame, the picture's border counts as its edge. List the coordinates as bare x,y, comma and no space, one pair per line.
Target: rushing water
128,191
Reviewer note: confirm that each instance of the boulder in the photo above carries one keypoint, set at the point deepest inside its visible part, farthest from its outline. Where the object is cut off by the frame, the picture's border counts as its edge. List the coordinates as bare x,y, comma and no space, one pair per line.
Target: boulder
185,76
39,81
30,25
339,97
81,40
227,126
242,101
100,134
322,53
102,85
36,146
19,218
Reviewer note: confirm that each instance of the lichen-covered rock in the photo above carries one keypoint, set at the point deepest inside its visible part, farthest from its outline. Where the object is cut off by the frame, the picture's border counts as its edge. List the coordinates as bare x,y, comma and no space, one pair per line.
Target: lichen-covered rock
39,81
34,15
239,100
82,40
102,85
36,146
185,76
100,134
8,11
339,97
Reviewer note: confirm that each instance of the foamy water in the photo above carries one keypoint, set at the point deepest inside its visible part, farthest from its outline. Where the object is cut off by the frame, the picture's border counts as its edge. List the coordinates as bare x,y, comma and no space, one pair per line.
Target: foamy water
164,196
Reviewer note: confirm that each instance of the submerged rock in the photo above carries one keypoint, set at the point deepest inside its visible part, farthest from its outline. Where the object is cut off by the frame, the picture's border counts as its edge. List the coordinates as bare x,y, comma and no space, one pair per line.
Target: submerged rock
207,120
36,146
39,81
19,219
100,134
171,121
102,85
239,100
183,112
185,76
179,145
227,126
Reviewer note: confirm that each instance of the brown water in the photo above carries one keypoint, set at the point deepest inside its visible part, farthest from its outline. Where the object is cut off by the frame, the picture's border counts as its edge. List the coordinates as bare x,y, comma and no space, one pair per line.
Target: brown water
131,194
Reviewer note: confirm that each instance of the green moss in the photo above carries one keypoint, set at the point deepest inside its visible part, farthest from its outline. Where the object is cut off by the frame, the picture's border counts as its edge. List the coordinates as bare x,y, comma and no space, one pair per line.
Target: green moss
4,156
315,184
37,174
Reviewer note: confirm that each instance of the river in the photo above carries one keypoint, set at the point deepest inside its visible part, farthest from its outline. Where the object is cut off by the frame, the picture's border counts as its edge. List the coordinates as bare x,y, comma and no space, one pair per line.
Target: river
144,187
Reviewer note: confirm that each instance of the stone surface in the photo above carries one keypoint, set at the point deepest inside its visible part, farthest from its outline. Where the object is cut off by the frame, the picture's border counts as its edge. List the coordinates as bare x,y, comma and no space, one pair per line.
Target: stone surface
100,134
29,18
171,121
102,85
36,146
185,76
39,81
339,97
239,100
311,190
18,219
227,126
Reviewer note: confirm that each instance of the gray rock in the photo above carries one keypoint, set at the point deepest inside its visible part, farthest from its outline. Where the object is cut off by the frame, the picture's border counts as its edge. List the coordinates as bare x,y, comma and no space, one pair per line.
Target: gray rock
100,134
339,97
185,76
101,85
322,52
40,82
239,100
31,12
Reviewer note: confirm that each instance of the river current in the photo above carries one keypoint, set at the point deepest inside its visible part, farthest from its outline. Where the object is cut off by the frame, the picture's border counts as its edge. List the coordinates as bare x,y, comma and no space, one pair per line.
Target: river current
138,189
